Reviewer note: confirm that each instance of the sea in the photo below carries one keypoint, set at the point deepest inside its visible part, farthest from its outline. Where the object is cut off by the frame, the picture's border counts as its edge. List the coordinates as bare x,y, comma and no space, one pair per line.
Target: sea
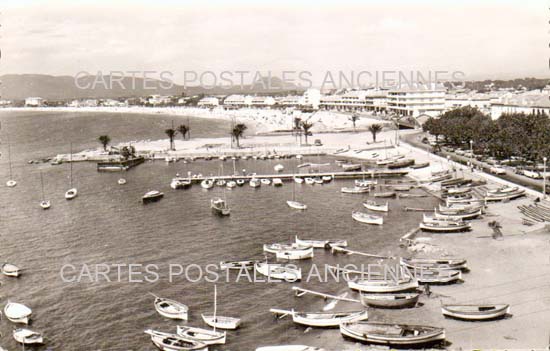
65,251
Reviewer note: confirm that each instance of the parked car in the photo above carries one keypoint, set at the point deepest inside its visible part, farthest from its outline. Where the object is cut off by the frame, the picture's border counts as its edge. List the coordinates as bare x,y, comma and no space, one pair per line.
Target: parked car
497,170
532,174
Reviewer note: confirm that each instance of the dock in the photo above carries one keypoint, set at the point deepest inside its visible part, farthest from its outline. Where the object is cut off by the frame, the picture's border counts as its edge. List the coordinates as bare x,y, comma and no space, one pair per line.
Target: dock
119,166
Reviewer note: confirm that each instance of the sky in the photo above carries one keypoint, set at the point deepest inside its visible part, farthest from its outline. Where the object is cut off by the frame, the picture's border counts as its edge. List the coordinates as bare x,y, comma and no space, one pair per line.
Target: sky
483,38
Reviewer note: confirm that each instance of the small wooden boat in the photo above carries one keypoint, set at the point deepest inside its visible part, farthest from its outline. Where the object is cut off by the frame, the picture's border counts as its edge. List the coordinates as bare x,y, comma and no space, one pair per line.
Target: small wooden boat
295,253
365,183
383,285
220,182
180,183
458,216
401,163
277,182
205,336
265,181
237,265
11,183
384,162
10,270
349,167
296,205
437,276
278,271
355,190
17,313
445,227
274,248
459,190
439,178
455,182
406,196
289,348
171,309
323,319
457,210
220,322
326,179
240,182
458,198
298,180
367,218
121,181
231,184
28,337
255,183
401,187
475,312
152,196
420,165
318,180
71,194
503,190
310,181
279,168
385,194
219,207
373,206
392,334
505,196
402,300
434,263
45,204
207,184
174,342
321,244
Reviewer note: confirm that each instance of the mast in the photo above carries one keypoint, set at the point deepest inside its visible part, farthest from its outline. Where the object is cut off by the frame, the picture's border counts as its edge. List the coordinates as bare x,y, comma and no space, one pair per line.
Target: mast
9,157
71,166
215,305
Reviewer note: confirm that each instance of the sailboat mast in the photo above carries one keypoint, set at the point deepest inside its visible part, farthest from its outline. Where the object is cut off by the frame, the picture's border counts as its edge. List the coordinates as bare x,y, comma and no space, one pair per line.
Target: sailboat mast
71,165
9,157
215,305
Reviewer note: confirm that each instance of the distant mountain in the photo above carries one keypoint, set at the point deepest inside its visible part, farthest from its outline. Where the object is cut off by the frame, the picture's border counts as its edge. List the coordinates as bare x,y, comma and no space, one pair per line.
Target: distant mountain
21,86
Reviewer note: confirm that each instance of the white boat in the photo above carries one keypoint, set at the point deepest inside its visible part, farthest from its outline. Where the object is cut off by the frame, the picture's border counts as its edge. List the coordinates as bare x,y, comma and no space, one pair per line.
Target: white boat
322,319
296,205
121,181
365,183
321,244
219,207
437,276
11,183
72,192
10,270
318,180
240,182
310,181
17,313
45,204
174,342
278,271
434,263
180,183
355,190
220,322
274,248
326,179
171,309
289,348
445,227
367,218
458,216
279,168
231,184
400,300
476,312
348,167
28,337
295,253
505,195
503,189
298,180
373,206
383,285
277,182
207,184
237,265
392,334
220,182
255,183
205,336
265,181
152,196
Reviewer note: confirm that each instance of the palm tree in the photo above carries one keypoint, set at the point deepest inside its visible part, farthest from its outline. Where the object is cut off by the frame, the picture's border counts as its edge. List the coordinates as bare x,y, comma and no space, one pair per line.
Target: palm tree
104,140
238,131
171,135
354,119
297,128
375,129
183,129
306,126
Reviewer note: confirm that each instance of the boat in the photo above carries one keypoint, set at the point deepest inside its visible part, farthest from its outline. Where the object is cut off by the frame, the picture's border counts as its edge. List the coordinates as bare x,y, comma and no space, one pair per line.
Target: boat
174,342
321,244
384,162
265,181
171,309
401,187
72,192
10,183
295,253
454,182
10,270
219,207
298,180
231,184
303,165
289,348
152,196
503,190
240,182
458,216
458,209
279,168
278,271
401,163
28,337
255,183
367,218
318,180
205,336
355,190
207,184
476,312
434,263
385,194
322,319
445,226
326,179
237,265
420,165
349,167
505,196
365,183
392,333
439,177
296,205
277,182
180,183
401,300
220,182
437,276
121,181
459,190
45,204
17,313
274,248
373,206
383,285
220,322
310,181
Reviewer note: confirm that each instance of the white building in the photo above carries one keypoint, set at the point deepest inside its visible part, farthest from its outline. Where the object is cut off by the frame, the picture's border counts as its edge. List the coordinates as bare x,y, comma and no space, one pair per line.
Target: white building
159,100
311,98
235,101
417,99
290,101
356,100
34,101
5,102
529,102
208,102
481,101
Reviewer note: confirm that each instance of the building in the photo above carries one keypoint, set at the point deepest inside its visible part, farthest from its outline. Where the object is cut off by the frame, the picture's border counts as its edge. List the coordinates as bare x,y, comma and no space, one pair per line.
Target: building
237,101
290,101
159,100
34,102
311,98
481,101
356,100
417,99
208,102
262,101
529,102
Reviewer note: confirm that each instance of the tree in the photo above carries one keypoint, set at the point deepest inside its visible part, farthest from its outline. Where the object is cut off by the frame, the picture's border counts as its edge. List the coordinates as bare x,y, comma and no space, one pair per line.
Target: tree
184,130
238,131
354,118
104,140
375,129
306,127
298,128
171,135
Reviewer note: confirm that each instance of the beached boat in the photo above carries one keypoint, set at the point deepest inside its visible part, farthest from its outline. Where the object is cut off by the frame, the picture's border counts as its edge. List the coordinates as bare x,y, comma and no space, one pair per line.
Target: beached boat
279,168
401,300
310,181
355,190
171,309
439,177
28,337
459,198
392,334
237,265
323,319
207,184
152,196
295,253
445,226
434,263
503,190
367,218
174,342
456,209
401,187
278,271
385,162
365,183
458,216
277,182
459,190
265,181
349,167
385,194
383,285
17,313
321,244
220,207
10,270
476,312
505,196
180,183
437,276
296,205
220,322
255,183
373,206
205,336
298,180
420,165
401,163
289,348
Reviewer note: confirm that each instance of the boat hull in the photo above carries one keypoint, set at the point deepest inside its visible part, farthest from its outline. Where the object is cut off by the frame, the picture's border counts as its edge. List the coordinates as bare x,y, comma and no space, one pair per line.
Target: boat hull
220,322
375,286
396,335
475,312
390,300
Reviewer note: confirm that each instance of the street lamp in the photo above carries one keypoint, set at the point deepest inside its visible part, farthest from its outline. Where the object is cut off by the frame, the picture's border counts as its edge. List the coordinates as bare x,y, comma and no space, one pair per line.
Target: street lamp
544,159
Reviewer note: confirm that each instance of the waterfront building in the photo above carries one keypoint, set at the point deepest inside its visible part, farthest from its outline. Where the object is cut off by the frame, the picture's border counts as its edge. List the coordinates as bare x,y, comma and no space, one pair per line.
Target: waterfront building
237,101
529,102
479,100
208,101
311,98
34,102
417,99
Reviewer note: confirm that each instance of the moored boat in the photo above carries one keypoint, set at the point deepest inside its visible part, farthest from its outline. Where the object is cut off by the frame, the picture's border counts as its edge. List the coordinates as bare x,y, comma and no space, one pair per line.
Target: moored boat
383,285
401,300
121,181
265,181
180,183
367,218
365,183
385,194
401,163
10,270
17,313
296,205
174,342
476,312
295,253
310,181
355,190
219,207
71,194
277,182
445,226
279,168
434,263
437,276
28,337
349,167
278,271
207,184
321,244
221,322
420,165
255,183
298,180
373,206
171,309
323,319
392,334
205,336
152,196
237,265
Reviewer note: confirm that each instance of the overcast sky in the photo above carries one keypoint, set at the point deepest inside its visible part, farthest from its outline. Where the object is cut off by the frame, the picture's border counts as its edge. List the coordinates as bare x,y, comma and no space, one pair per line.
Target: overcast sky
483,38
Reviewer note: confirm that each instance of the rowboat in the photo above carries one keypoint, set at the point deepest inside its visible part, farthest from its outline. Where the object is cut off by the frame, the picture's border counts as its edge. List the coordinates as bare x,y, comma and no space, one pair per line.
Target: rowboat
10,270
458,198
278,271
437,276
390,300
255,183
231,184
321,244
174,342
28,337
17,313
383,285
121,181
348,167
503,190
326,179
355,190
367,218
296,205
295,253
180,183
373,206
170,308
440,177
318,180
456,210
401,187
420,165
71,193
392,334
445,227
458,191
219,207
401,164
277,182
442,219
220,182
274,248
207,184
11,183
265,181
310,181
237,265
385,194
323,319
458,216
279,168
384,162
289,348
505,196
220,322
45,204
475,312
434,263
365,183
205,336
298,180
